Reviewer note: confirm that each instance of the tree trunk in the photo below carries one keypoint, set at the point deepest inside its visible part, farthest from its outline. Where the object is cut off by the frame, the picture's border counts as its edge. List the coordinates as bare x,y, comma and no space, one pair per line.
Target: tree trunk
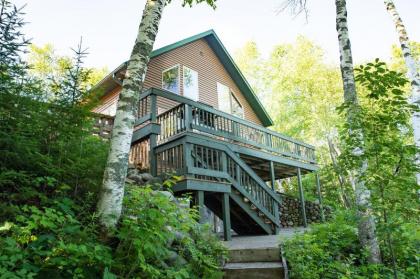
112,191
412,73
366,224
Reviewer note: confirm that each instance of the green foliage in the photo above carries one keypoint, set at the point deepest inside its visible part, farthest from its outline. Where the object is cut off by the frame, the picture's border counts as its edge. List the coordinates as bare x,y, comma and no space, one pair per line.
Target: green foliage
50,241
50,170
332,250
383,118
56,73
190,3
301,92
397,58
160,239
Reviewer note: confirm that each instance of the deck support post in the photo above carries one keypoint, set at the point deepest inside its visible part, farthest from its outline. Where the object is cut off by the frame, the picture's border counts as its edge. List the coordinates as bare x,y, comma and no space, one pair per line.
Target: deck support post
275,204
153,137
302,198
318,189
272,175
199,201
226,217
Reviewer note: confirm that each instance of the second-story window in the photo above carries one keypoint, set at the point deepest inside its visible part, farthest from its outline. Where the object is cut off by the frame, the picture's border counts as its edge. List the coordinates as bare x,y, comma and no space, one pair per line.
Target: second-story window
228,101
190,83
170,79
236,107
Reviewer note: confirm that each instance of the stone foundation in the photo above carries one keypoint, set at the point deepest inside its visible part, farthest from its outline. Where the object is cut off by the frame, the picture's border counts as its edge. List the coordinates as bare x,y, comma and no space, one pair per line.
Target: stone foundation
290,212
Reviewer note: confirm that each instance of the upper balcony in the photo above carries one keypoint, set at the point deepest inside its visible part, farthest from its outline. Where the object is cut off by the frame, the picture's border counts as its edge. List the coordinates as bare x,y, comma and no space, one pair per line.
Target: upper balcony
255,144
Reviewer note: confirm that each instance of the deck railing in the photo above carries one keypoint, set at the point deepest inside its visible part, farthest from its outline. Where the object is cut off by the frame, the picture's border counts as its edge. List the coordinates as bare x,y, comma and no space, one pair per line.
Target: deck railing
189,115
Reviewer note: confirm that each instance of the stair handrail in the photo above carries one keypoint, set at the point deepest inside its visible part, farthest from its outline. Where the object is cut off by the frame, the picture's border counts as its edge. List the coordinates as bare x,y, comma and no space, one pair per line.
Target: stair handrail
276,199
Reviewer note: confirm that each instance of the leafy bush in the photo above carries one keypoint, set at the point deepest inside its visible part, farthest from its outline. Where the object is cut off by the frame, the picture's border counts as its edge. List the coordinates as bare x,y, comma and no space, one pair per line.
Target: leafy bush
156,239
159,238
332,250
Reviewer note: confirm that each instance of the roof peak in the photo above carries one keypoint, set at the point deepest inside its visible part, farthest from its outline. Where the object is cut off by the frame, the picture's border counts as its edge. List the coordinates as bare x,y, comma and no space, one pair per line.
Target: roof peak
214,42
182,42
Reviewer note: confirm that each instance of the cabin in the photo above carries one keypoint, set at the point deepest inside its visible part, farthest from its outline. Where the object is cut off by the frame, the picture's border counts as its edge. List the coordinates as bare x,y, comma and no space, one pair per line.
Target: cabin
199,118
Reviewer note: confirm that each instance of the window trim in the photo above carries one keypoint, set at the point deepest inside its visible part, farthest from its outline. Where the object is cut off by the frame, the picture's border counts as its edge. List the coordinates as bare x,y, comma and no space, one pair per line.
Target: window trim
179,78
183,83
232,94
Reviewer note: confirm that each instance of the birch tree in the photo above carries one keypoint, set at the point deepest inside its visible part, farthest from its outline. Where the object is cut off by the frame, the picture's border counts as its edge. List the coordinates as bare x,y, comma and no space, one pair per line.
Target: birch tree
112,192
366,224
412,72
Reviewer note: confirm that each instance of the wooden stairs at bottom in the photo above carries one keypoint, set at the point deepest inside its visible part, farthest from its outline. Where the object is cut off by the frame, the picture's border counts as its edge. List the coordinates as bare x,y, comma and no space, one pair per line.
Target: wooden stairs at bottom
254,258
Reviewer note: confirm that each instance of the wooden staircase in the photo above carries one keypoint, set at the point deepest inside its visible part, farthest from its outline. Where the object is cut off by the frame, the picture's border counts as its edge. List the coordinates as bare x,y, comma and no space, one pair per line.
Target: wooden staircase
254,207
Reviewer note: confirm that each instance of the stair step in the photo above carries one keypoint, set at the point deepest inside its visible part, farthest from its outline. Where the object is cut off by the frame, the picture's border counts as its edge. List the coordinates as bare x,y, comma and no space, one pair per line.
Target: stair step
263,254
253,270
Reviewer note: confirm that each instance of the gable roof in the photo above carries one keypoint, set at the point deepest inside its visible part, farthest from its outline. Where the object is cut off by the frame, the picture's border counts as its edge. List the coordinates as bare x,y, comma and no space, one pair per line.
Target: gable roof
109,83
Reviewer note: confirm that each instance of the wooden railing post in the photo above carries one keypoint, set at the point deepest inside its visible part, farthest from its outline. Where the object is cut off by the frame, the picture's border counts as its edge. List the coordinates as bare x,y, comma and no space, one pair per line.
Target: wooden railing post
188,117
268,139
302,198
153,137
234,128
224,162
238,173
318,189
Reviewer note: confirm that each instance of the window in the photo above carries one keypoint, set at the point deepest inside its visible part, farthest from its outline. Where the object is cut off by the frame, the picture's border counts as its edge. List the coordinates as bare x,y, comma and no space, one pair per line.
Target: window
190,83
228,102
223,93
170,79
236,107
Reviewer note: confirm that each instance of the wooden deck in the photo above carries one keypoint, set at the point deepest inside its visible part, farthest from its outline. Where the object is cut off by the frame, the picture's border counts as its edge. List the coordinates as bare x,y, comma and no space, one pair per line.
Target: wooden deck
226,162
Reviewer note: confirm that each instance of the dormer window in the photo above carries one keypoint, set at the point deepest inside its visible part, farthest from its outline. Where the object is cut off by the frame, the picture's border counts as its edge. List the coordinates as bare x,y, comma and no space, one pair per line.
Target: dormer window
228,101
170,79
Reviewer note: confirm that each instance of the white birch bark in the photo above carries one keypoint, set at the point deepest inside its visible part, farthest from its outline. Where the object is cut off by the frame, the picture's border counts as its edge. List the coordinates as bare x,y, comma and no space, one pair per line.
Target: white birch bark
412,73
366,224
112,192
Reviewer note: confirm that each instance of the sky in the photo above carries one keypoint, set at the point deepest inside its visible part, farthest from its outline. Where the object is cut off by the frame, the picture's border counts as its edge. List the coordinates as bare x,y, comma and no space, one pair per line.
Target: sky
109,27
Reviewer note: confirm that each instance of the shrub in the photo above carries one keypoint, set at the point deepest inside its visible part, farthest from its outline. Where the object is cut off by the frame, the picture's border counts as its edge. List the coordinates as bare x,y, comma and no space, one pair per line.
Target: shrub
49,242
332,250
158,238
